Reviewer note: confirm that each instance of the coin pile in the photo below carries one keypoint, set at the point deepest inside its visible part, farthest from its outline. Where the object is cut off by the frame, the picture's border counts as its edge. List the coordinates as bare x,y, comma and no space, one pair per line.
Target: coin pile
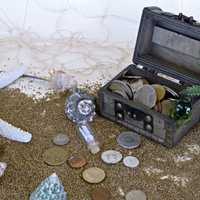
155,96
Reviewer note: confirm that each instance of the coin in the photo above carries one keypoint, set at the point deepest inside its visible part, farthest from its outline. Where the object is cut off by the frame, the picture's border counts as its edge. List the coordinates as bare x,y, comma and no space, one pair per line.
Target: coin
146,95
135,195
94,175
55,156
131,161
77,161
129,140
118,85
121,93
171,91
61,139
101,194
111,156
160,91
168,106
158,107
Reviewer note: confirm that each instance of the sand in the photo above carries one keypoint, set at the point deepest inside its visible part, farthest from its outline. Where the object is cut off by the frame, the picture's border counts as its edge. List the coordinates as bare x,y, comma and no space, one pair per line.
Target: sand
163,173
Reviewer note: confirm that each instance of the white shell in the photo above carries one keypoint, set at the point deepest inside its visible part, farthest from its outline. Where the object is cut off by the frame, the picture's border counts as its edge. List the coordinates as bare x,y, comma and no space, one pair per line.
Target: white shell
10,132
3,167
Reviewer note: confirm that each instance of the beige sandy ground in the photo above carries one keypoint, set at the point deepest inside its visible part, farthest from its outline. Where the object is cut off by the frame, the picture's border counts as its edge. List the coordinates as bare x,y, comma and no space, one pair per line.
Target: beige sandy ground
164,174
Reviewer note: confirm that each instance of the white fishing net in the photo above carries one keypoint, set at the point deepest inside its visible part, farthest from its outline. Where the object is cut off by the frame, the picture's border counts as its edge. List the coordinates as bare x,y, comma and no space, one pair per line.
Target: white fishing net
91,40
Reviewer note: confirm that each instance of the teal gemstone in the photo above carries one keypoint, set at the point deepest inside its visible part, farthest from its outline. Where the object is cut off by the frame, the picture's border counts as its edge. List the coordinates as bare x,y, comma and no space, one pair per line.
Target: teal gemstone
183,109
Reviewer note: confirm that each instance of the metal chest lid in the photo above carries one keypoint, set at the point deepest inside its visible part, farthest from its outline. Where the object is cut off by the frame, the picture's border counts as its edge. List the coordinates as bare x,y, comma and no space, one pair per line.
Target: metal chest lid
169,44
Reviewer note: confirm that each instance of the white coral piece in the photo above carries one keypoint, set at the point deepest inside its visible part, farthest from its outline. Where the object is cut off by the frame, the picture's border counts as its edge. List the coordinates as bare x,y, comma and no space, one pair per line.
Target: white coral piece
10,132
61,81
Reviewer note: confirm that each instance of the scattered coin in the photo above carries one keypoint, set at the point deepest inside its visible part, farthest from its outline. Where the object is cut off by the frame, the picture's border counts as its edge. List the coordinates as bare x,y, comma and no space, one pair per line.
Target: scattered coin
77,162
55,156
94,175
146,95
160,91
111,156
131,161
135,195
129,140
61,139
101,194
168,106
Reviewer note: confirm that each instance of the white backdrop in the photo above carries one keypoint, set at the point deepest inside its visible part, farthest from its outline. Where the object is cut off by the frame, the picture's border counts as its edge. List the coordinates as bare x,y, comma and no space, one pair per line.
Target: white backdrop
91,39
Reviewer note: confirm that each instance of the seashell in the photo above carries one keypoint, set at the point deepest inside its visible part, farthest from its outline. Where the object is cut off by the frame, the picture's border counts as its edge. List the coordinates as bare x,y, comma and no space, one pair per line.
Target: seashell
3,167
10,132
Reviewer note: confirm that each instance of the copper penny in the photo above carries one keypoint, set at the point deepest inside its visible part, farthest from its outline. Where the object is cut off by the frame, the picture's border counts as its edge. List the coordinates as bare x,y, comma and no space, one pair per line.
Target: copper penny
101,194
77,162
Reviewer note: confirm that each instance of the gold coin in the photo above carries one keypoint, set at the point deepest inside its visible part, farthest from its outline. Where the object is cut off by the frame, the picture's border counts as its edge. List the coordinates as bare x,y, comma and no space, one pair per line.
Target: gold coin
160,91
168,106
55,156
158,107
77,162
94,175
101,194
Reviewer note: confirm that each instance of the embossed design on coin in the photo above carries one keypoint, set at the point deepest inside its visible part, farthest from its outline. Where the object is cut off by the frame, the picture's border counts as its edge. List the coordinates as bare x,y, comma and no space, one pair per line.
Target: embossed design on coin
101,194
55,156
60,139
77,161
111,156
135,195
94,175
129,140
146,95
131,161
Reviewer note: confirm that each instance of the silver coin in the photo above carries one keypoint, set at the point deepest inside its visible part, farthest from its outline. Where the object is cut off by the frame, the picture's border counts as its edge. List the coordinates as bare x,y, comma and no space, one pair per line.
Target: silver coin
172,92
61,139
111,157
146,95
121,93
135,195
131,161
129,140
120,85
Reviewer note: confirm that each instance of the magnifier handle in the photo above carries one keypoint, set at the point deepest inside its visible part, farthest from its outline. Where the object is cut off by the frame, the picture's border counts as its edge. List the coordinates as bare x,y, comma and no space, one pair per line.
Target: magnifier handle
87,135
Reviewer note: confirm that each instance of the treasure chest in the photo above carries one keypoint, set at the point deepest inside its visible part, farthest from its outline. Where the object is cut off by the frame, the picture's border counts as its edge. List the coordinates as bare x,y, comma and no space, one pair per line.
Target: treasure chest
146,96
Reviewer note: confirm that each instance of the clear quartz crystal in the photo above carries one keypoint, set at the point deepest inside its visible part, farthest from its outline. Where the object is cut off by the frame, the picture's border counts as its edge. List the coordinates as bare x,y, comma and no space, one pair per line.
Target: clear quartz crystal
80,109
50,189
